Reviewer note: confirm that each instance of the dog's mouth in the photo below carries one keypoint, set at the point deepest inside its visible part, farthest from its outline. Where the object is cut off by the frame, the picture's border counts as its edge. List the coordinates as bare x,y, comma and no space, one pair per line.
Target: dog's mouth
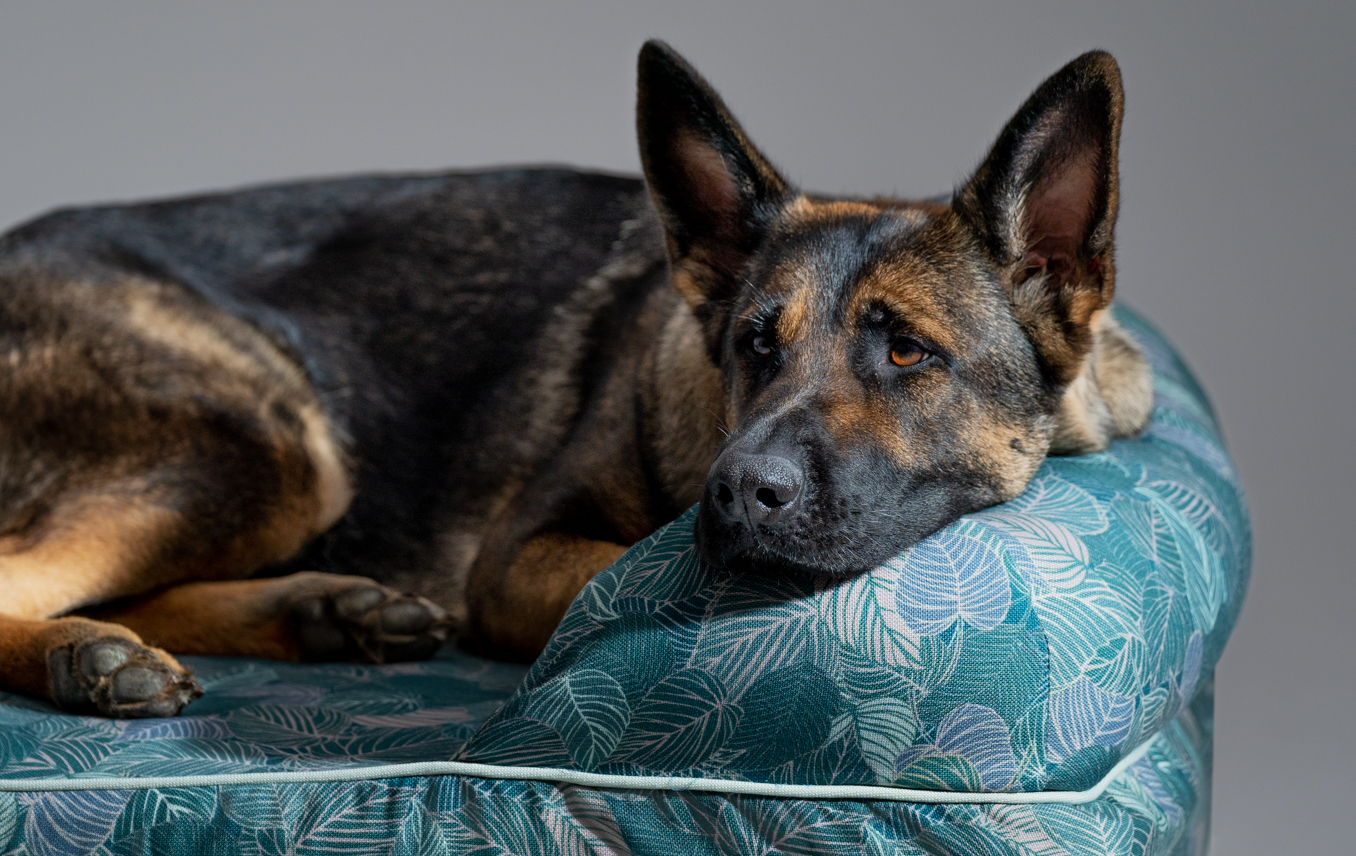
796,544
746,552
815,515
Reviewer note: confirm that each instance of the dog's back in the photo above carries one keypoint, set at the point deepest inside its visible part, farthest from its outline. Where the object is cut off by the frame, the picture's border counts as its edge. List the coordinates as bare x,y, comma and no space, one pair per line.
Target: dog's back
442,320
386,376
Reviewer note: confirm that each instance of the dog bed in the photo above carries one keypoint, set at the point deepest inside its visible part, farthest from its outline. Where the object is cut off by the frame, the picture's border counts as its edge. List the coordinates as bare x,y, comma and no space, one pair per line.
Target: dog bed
1033,679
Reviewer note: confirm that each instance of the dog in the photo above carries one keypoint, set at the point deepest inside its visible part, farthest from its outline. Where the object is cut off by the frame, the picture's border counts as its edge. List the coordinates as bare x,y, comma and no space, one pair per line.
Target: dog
348,419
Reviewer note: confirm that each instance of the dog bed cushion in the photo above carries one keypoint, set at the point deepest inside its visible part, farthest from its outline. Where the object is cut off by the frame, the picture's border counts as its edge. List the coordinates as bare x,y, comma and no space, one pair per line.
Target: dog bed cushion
1034,678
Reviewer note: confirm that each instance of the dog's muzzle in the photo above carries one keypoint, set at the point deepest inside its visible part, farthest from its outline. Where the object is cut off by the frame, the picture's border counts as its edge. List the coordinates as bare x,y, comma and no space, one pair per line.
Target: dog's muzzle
754,490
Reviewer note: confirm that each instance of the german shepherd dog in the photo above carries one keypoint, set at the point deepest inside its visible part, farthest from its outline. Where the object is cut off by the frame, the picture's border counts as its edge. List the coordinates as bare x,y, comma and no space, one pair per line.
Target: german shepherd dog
345,419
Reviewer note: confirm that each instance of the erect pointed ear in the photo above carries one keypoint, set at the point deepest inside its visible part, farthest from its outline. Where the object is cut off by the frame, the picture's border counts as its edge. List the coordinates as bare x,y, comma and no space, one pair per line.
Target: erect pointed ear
715,192
1044,205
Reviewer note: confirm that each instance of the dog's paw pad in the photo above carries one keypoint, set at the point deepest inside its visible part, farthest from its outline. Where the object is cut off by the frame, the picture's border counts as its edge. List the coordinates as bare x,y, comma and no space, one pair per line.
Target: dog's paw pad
368,622
118,678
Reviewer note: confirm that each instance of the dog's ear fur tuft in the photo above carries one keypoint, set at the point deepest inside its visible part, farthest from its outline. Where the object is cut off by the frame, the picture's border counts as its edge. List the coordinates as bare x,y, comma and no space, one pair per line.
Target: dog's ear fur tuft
714,191
1044,205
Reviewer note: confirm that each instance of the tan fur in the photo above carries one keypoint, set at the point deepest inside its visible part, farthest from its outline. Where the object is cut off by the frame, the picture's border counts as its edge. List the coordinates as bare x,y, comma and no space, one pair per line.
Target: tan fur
244,364
1112,395
691,278
236,618
26,644
806,209
156,315
1124,379
852,419
315,488
688,389
909,290
116,525
92,549
548,398
333,487
1010,453
537,588
794,321
166,387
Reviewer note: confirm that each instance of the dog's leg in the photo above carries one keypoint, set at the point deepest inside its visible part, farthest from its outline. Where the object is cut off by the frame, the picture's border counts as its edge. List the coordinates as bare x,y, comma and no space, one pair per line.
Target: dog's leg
147,440
92,667
305,617
513,614
99,547
94,550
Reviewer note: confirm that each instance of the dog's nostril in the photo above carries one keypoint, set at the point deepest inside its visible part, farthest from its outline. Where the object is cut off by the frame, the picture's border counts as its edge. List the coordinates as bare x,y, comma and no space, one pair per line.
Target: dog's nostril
768,498
754,490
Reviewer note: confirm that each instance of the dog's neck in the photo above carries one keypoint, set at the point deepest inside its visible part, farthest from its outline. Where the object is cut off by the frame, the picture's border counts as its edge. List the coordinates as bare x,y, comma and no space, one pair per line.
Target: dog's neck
684,399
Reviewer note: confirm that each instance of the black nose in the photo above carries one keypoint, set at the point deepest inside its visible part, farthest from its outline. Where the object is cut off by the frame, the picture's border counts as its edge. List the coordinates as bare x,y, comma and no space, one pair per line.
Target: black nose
754,489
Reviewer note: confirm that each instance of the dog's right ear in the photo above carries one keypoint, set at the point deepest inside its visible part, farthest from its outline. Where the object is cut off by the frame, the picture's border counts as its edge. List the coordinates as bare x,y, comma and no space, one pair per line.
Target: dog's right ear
715,192
1044,204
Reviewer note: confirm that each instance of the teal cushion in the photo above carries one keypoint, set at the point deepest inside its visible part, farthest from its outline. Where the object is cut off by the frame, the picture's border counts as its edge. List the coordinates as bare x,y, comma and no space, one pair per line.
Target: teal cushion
1158,806
1028,647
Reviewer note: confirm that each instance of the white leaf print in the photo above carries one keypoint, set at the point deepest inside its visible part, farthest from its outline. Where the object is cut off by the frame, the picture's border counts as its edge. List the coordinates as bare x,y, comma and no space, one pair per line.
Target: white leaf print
1055,552
1057,500
1082,715
861,614
979,735
885,728
947,577
589,710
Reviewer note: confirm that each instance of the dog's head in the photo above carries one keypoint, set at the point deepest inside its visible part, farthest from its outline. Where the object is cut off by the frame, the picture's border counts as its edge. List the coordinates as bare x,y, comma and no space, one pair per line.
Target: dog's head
889,365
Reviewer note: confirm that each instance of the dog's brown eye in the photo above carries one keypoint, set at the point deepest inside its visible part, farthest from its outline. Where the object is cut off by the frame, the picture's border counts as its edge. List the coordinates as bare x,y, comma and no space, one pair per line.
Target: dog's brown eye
905,355
760,346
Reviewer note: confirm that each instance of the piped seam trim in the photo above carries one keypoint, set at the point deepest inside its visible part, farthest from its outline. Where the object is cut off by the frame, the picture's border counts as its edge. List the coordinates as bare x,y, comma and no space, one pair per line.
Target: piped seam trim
553,775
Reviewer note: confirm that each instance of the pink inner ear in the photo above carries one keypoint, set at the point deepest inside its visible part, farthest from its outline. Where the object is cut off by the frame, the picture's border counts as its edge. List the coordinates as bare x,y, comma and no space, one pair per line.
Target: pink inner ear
711,190
1059,213
713,203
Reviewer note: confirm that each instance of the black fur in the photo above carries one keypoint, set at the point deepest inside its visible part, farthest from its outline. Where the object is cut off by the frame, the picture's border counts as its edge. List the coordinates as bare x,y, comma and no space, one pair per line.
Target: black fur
539,362
415,304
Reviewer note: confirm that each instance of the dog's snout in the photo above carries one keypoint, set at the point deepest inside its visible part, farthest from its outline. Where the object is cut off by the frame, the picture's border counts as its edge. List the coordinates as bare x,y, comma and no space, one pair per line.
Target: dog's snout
755,489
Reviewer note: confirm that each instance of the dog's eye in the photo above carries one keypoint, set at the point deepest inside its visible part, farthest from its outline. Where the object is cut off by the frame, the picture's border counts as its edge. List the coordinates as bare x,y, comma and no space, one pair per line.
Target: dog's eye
905,354
761,346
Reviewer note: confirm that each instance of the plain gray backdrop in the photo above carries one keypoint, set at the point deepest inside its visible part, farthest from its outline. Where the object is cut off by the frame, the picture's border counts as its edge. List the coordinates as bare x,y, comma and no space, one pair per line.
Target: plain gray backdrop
1235,230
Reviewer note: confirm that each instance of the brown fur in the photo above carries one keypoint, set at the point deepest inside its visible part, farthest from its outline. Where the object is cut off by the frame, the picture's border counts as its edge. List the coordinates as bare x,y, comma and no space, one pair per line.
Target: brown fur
531,597
161,441
687,413
25,646
245,618
112,407
1112,396
110,506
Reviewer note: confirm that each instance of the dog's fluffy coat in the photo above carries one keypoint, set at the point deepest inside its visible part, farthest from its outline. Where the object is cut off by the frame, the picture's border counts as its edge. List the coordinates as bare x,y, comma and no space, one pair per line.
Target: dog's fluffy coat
478,388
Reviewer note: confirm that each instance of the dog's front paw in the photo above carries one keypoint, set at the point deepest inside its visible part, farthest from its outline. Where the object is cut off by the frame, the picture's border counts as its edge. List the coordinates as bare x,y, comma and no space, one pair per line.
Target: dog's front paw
367,622
118,678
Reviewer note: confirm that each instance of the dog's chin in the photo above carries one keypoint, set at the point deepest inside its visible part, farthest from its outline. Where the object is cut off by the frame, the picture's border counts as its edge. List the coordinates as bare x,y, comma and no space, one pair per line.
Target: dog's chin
737,550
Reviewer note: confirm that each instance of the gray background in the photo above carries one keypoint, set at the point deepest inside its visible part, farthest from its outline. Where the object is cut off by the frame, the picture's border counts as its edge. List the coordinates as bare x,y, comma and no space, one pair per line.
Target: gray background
1237,178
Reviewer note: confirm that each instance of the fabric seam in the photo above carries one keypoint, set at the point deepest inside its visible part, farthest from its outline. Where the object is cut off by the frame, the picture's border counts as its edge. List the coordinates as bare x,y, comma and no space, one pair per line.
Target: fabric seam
465,769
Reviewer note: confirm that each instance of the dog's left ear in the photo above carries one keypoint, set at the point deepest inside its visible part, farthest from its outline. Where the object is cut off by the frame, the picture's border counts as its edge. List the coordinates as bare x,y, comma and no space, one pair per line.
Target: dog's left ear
1044,204
715,192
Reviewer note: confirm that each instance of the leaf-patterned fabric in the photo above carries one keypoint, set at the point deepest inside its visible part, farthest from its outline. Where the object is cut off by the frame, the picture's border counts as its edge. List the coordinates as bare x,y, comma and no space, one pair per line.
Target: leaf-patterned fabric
265,717
1018,655
1027,647
1160,806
